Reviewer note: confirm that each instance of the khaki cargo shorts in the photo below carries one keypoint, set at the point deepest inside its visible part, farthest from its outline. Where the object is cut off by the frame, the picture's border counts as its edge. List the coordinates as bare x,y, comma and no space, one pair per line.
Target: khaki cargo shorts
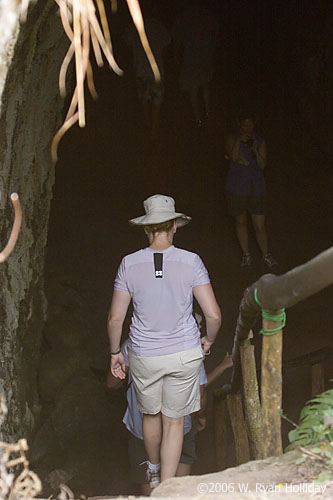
169,384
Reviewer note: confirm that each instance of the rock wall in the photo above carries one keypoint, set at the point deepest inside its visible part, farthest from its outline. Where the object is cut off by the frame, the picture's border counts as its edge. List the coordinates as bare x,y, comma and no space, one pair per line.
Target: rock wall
30,58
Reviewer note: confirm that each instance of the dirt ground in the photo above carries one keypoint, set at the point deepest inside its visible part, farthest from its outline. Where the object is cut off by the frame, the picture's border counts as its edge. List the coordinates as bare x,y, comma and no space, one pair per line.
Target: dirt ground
106,170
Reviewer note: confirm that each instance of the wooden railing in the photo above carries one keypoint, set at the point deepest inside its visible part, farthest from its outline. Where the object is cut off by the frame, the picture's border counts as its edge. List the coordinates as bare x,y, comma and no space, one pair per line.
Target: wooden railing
257,426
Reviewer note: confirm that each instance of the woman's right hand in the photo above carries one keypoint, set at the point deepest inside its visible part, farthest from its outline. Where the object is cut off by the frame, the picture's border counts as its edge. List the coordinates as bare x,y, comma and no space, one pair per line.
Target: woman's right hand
242,160
118,366
206,344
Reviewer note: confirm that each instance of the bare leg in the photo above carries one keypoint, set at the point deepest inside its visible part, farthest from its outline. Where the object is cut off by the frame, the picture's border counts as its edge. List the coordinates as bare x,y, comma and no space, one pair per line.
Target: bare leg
194,96
183,470
155,119
241,231
260,230
171,447
152,436
146,111
206,98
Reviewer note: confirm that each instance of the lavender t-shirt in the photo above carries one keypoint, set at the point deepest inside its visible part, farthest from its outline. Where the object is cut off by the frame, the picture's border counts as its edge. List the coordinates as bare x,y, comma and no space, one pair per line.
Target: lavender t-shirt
162,321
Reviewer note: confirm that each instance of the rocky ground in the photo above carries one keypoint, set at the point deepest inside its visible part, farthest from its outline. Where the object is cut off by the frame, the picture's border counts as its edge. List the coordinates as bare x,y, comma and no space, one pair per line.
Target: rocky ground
273,478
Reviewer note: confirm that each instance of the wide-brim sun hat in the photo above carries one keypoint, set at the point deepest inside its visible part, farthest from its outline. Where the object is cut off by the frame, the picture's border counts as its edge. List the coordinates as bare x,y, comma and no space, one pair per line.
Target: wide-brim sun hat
160,208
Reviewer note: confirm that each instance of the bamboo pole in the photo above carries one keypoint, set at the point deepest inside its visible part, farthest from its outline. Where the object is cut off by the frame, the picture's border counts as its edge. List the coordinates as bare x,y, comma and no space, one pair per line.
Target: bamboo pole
235,407
271,388
220,413
317,379
252,406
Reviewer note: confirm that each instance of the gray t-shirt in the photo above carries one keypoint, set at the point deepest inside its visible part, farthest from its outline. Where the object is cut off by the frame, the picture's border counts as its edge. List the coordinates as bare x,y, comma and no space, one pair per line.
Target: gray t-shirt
162,321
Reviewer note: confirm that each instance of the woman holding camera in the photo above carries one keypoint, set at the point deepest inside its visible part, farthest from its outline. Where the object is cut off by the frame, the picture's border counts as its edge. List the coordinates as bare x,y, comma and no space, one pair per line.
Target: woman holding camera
246,189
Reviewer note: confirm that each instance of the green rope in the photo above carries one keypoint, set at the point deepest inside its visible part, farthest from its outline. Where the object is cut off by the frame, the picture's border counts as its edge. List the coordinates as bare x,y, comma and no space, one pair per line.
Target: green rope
272,317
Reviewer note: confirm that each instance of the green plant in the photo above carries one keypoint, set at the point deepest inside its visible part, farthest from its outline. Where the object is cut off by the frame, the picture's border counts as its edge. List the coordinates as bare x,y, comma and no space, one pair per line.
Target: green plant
316,422
315,428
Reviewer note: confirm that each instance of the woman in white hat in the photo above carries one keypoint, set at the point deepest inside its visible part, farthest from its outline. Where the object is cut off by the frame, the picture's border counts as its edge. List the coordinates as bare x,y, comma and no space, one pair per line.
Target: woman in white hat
165,351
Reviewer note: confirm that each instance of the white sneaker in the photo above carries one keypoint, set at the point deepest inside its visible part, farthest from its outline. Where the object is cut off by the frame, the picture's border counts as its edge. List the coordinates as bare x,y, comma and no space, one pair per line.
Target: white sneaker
246,260
153,477
269,260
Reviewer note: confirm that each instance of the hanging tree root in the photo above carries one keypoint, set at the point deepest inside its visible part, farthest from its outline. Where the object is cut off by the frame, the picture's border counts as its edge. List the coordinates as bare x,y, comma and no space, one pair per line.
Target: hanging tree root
83,29
27,484
15,230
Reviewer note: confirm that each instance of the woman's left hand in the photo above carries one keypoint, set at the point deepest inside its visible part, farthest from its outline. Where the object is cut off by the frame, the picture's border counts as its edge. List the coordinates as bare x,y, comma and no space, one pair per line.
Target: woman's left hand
118,366
255,146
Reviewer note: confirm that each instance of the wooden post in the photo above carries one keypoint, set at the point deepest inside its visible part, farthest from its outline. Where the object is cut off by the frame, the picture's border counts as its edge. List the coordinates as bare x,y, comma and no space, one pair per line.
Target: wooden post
318,379
220,430
235,407
271,388
252,406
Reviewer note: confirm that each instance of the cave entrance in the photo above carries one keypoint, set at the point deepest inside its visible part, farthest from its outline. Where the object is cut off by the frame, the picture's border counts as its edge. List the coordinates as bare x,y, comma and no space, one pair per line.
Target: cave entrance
104,173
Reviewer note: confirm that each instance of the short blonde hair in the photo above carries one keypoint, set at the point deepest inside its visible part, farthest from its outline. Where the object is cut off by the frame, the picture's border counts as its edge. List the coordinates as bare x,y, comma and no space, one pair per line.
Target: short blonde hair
159,228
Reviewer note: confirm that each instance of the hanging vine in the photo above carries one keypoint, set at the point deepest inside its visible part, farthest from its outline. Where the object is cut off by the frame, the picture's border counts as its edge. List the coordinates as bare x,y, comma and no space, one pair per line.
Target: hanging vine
84,30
